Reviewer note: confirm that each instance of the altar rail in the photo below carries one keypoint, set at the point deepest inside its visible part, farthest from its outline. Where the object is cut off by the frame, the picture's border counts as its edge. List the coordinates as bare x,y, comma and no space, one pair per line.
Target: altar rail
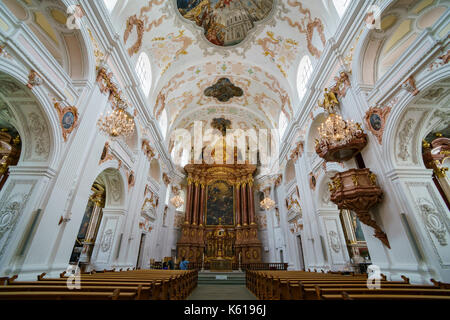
244,266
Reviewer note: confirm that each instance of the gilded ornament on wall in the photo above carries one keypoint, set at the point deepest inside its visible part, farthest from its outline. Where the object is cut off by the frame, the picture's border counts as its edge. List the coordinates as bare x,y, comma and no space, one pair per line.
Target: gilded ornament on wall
34,79
312,181
376,121
68,118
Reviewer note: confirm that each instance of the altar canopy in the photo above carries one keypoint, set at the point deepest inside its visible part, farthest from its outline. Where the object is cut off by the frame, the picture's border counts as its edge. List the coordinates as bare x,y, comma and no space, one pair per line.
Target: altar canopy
220,219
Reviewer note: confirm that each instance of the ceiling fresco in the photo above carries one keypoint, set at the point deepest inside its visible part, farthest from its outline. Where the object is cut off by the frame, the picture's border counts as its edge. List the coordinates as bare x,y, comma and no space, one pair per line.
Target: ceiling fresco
193,44
184,92
225,22
223,90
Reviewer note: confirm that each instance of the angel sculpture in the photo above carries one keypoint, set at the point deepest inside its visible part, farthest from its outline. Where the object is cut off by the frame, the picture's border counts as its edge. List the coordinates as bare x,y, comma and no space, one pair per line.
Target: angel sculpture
330,102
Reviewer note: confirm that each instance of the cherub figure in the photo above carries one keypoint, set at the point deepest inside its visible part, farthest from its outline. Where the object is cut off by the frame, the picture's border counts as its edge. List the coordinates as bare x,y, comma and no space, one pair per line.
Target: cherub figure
330,102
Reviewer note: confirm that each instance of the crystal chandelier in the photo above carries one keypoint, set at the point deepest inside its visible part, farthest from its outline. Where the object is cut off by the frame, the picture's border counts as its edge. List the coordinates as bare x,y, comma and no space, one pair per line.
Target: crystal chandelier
339,140
116,123
335,130
177,201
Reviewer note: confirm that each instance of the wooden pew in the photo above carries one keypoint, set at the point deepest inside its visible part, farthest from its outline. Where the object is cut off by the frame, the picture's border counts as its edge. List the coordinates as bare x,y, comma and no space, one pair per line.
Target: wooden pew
346,296
63,295
297,285
109,284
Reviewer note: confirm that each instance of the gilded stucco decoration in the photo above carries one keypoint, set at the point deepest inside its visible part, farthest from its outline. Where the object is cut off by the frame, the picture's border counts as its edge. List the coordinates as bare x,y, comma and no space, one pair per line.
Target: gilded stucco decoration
142,24
306,25
68,118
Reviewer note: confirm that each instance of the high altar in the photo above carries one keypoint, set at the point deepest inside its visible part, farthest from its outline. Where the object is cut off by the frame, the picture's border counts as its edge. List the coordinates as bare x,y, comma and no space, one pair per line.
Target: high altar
220,220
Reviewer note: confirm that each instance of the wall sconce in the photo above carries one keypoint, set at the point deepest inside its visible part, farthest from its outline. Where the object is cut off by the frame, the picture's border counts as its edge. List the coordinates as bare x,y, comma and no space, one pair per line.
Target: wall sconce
65,219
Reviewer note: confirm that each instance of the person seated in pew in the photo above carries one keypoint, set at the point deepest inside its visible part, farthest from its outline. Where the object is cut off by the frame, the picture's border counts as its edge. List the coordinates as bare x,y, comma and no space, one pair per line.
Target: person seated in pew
170,264
184,264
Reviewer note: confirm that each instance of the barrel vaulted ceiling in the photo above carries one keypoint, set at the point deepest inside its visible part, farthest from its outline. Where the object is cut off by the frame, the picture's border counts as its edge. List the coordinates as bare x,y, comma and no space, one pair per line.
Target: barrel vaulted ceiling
185,61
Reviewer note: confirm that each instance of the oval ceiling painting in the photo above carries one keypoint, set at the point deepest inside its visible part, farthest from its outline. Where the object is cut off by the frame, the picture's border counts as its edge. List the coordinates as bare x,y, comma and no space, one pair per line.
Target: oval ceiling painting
225,22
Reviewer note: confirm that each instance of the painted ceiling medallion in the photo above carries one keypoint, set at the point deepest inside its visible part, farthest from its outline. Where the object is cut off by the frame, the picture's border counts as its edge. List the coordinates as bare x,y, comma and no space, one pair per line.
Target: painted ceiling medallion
225,22
223,90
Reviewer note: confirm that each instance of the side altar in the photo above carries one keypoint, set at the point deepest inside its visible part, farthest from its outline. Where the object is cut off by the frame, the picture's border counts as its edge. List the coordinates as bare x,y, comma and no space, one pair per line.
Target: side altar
220,225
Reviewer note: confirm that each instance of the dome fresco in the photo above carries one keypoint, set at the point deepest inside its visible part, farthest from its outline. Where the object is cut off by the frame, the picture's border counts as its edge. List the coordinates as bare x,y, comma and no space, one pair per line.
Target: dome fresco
225,22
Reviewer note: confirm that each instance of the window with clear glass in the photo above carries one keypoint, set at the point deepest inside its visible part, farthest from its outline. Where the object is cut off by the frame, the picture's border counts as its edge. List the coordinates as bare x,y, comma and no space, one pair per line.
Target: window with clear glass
144,72
167,195
110,4
163,123
304,72
341,6
282,124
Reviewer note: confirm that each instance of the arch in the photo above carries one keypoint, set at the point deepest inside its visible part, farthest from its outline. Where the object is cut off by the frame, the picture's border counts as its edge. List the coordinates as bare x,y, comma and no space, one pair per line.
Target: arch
155,170
313,133
289,173
70,47
107,193
323,192
431,117
116,182
115,187
32,115
379,50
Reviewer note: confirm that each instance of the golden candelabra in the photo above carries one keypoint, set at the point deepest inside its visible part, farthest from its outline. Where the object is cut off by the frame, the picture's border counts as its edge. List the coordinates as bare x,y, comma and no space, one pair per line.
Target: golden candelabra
339,140
116,123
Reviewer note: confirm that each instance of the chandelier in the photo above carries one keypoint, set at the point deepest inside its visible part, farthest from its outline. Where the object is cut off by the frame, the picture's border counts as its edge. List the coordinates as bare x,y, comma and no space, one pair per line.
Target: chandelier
177,201
116,123
339,140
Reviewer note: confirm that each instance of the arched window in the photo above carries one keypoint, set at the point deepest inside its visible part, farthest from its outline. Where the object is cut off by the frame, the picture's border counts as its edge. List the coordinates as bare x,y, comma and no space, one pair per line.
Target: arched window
144,72
282,124
163,123
304,72
341,6
110,4
167,195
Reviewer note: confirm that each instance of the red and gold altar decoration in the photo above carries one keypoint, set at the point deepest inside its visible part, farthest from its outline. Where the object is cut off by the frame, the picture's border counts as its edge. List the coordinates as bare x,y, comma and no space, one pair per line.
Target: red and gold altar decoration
339,140
435,153
220,220
357,190
10,149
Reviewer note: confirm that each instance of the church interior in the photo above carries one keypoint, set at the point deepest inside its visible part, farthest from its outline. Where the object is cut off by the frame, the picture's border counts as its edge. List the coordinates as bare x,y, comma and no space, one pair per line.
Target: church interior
224,149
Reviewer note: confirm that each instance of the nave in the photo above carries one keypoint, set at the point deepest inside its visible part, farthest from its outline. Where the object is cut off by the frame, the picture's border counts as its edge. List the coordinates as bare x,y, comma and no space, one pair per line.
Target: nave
224,149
